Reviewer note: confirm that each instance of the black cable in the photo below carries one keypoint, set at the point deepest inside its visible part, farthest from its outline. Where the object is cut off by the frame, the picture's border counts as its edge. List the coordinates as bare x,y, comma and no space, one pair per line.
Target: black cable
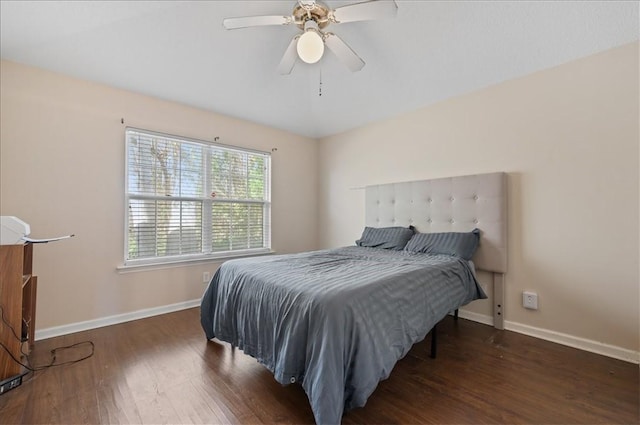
53,351
13,357
6,322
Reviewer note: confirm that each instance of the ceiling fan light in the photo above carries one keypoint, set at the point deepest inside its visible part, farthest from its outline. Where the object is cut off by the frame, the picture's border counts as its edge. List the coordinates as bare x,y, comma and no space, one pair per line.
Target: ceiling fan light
310,46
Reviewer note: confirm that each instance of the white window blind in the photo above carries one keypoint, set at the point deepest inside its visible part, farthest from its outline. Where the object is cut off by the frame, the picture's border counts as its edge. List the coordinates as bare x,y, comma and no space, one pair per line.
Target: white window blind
190,199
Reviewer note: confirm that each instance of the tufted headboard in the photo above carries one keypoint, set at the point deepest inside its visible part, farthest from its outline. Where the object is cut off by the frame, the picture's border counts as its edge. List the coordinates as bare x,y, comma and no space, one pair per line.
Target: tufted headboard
453,204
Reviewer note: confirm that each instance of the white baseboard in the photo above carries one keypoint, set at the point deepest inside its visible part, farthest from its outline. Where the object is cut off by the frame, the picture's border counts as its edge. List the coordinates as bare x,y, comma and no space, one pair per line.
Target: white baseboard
576,342
560,338
557,337
476,317
112,320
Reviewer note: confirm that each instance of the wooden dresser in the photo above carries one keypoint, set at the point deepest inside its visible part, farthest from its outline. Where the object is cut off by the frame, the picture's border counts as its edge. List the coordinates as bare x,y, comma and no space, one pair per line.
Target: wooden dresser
18,289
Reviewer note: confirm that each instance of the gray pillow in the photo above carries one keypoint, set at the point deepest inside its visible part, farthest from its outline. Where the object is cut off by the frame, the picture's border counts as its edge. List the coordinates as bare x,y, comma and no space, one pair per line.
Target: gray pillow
461,245
386,237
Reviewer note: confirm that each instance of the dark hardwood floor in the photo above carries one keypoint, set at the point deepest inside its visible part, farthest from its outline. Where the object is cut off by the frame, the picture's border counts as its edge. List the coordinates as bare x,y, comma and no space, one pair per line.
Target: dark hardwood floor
162,370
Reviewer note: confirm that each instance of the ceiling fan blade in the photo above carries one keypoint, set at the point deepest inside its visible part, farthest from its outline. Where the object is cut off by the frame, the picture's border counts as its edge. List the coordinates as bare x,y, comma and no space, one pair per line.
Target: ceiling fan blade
289,59
343,52
366,11
255,21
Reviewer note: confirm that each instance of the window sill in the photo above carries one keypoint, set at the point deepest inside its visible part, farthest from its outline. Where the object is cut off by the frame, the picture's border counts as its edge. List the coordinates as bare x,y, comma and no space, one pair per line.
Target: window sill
159,265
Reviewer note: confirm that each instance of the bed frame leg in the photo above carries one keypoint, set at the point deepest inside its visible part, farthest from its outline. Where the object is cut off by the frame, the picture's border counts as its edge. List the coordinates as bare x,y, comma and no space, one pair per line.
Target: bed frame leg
434,341
498,300
434,336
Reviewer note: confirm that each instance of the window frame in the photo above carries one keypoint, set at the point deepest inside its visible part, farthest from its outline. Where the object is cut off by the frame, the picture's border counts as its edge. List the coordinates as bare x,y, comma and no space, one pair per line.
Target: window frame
207,206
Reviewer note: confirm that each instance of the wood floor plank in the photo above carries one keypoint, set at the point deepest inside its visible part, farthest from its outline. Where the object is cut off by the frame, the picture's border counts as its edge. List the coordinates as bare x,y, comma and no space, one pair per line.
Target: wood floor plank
228,407
115,403
163,370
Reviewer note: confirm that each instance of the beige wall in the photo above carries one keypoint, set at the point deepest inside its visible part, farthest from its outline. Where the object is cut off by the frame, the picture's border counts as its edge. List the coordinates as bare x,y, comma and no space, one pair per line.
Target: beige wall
568,137
62,171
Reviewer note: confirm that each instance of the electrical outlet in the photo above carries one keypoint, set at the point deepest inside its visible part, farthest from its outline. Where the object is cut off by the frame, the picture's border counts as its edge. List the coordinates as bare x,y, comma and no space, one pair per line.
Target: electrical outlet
530,300
206,277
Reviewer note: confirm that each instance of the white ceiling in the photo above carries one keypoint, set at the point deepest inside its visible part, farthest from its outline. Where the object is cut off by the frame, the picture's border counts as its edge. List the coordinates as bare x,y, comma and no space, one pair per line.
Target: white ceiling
432,50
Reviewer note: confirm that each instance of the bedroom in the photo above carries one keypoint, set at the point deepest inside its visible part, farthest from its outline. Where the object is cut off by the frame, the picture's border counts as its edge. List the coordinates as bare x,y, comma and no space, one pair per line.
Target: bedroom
567,135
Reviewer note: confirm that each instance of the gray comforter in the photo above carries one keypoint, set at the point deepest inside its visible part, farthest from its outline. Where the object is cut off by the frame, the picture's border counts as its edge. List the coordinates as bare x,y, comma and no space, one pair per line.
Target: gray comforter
336,321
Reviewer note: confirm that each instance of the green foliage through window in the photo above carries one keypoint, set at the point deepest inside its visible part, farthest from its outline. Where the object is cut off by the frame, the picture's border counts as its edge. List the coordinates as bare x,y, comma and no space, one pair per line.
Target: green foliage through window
191,198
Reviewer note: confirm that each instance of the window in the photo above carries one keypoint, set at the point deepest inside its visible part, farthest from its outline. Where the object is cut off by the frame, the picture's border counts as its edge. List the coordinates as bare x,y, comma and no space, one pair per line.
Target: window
189,199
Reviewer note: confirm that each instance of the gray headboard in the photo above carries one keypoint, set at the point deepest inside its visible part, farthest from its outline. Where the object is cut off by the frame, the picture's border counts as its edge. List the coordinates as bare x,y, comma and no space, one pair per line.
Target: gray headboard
453,204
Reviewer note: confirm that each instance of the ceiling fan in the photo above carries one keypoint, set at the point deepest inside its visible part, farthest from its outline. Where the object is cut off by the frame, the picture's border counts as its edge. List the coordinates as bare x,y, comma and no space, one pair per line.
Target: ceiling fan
312,17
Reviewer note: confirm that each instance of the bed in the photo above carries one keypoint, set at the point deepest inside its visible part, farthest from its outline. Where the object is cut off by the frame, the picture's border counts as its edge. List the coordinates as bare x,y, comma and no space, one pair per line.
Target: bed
337,321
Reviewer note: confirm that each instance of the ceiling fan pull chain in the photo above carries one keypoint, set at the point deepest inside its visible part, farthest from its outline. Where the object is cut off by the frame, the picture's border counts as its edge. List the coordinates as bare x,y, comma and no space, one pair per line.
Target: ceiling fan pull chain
320,86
